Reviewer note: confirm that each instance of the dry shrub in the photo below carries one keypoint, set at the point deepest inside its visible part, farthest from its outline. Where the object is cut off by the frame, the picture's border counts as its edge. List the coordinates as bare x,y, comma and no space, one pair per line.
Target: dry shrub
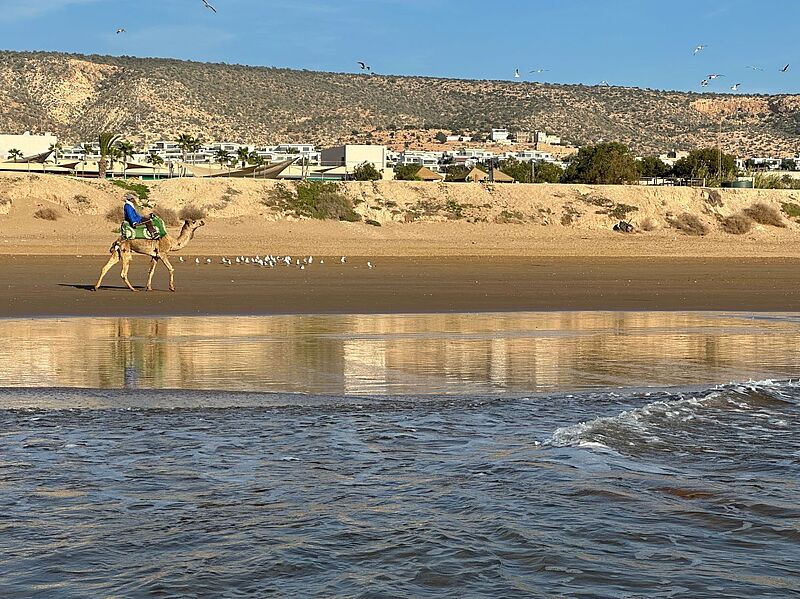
737,224
764,214
689,224
47,214
115,214
649,224
169,216
191,212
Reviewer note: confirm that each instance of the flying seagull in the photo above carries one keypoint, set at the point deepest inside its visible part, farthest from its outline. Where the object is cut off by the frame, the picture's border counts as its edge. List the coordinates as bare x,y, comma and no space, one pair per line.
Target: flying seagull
540,71
120,30
713,76
516,74
364,66
784,69
704,83
207,5
699,48
735,87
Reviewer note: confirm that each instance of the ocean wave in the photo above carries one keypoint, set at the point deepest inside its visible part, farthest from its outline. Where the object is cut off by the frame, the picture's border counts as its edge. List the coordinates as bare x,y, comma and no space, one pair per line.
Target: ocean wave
667,423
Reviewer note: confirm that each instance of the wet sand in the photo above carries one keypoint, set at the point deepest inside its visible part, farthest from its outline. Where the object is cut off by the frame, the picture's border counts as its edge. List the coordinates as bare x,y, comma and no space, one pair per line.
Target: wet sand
56,286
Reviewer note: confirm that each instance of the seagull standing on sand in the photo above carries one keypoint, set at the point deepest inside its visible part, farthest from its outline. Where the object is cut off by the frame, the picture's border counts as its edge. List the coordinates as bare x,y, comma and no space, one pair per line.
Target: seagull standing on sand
699,48
369,264
207,5
343,260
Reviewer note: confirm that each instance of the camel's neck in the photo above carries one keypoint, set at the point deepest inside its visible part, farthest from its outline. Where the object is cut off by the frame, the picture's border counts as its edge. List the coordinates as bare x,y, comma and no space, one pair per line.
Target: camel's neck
185,237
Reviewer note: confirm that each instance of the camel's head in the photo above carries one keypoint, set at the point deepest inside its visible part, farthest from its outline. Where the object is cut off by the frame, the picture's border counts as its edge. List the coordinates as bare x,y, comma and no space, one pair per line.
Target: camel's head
194,224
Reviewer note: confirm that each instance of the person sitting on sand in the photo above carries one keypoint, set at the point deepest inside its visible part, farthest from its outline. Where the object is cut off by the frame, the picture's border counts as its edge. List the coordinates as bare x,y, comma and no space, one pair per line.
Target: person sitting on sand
134,219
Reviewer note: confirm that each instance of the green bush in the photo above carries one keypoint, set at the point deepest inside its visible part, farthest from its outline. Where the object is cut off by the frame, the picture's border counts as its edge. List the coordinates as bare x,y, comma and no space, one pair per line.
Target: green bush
407,172
314,199
140,189
791,210
366,172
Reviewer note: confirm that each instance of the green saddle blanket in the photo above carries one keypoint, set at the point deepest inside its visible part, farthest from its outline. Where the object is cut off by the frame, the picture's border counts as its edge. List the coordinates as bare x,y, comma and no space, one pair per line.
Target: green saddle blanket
141,232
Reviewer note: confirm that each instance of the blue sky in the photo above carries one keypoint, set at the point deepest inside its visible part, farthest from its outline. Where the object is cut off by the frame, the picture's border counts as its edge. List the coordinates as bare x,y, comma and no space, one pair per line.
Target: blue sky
643,43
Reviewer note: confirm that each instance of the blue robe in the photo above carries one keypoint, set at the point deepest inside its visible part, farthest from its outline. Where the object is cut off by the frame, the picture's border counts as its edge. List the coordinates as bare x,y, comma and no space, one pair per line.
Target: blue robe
131,216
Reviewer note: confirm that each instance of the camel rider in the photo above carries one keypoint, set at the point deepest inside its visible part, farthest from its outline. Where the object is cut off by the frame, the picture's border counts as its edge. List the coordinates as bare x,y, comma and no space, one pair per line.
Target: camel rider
135,219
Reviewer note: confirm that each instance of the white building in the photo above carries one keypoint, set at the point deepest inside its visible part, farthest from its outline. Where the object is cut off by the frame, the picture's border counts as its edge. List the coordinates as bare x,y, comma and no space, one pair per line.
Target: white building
541,137
528,155
352,155
499,135
432,160
27,143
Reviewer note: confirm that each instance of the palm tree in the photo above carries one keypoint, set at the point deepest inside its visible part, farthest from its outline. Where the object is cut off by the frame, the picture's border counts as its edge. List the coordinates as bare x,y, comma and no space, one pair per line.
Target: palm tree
195,146
154,160
243,155
185,143
222,157
88,150
114,154
107,141
125,151
56,149
14,153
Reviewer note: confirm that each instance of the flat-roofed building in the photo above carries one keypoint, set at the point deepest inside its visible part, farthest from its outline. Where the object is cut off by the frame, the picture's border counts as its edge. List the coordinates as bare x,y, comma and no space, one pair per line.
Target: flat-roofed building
351,155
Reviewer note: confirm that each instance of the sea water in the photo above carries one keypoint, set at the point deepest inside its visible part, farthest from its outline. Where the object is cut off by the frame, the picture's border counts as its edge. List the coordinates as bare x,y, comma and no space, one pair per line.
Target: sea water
474,455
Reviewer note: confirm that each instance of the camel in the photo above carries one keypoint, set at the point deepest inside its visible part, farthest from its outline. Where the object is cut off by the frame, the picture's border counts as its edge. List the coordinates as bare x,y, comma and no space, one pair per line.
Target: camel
123,249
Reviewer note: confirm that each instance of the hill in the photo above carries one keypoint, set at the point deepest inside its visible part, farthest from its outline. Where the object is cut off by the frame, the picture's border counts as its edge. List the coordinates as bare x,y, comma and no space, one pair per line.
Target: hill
76,96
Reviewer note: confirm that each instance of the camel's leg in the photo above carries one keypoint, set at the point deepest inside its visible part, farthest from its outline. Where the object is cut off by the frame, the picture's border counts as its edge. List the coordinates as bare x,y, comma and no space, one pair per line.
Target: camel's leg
111,262
171,270
126,262
150,274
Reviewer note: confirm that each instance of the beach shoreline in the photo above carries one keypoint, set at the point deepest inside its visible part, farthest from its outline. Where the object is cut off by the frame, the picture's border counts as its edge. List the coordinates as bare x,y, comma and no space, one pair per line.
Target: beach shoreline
54,286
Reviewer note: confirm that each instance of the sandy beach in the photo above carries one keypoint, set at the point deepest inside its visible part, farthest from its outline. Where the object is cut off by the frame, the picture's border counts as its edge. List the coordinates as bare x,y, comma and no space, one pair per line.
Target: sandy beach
520,247
55,286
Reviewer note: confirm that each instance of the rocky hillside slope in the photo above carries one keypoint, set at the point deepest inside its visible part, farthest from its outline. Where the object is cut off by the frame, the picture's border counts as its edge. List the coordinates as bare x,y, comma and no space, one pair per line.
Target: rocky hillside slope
146,99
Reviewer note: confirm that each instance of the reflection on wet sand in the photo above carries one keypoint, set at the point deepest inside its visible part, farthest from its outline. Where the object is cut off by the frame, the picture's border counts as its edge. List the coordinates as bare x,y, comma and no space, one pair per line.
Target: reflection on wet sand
397,354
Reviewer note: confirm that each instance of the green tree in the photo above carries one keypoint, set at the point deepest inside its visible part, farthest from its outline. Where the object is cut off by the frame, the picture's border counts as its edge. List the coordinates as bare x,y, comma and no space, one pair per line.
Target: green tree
243,155
366,171
653,167
107,141
407,172
521,171
456,172
705,164
14,154
787,164
56,150
222,157
125,152
547,172
186,144
155,161
604,164
255,159
441,137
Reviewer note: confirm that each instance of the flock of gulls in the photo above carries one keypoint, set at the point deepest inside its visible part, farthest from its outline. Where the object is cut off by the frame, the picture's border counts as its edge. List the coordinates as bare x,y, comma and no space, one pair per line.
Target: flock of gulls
697,50
270,261
366,68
